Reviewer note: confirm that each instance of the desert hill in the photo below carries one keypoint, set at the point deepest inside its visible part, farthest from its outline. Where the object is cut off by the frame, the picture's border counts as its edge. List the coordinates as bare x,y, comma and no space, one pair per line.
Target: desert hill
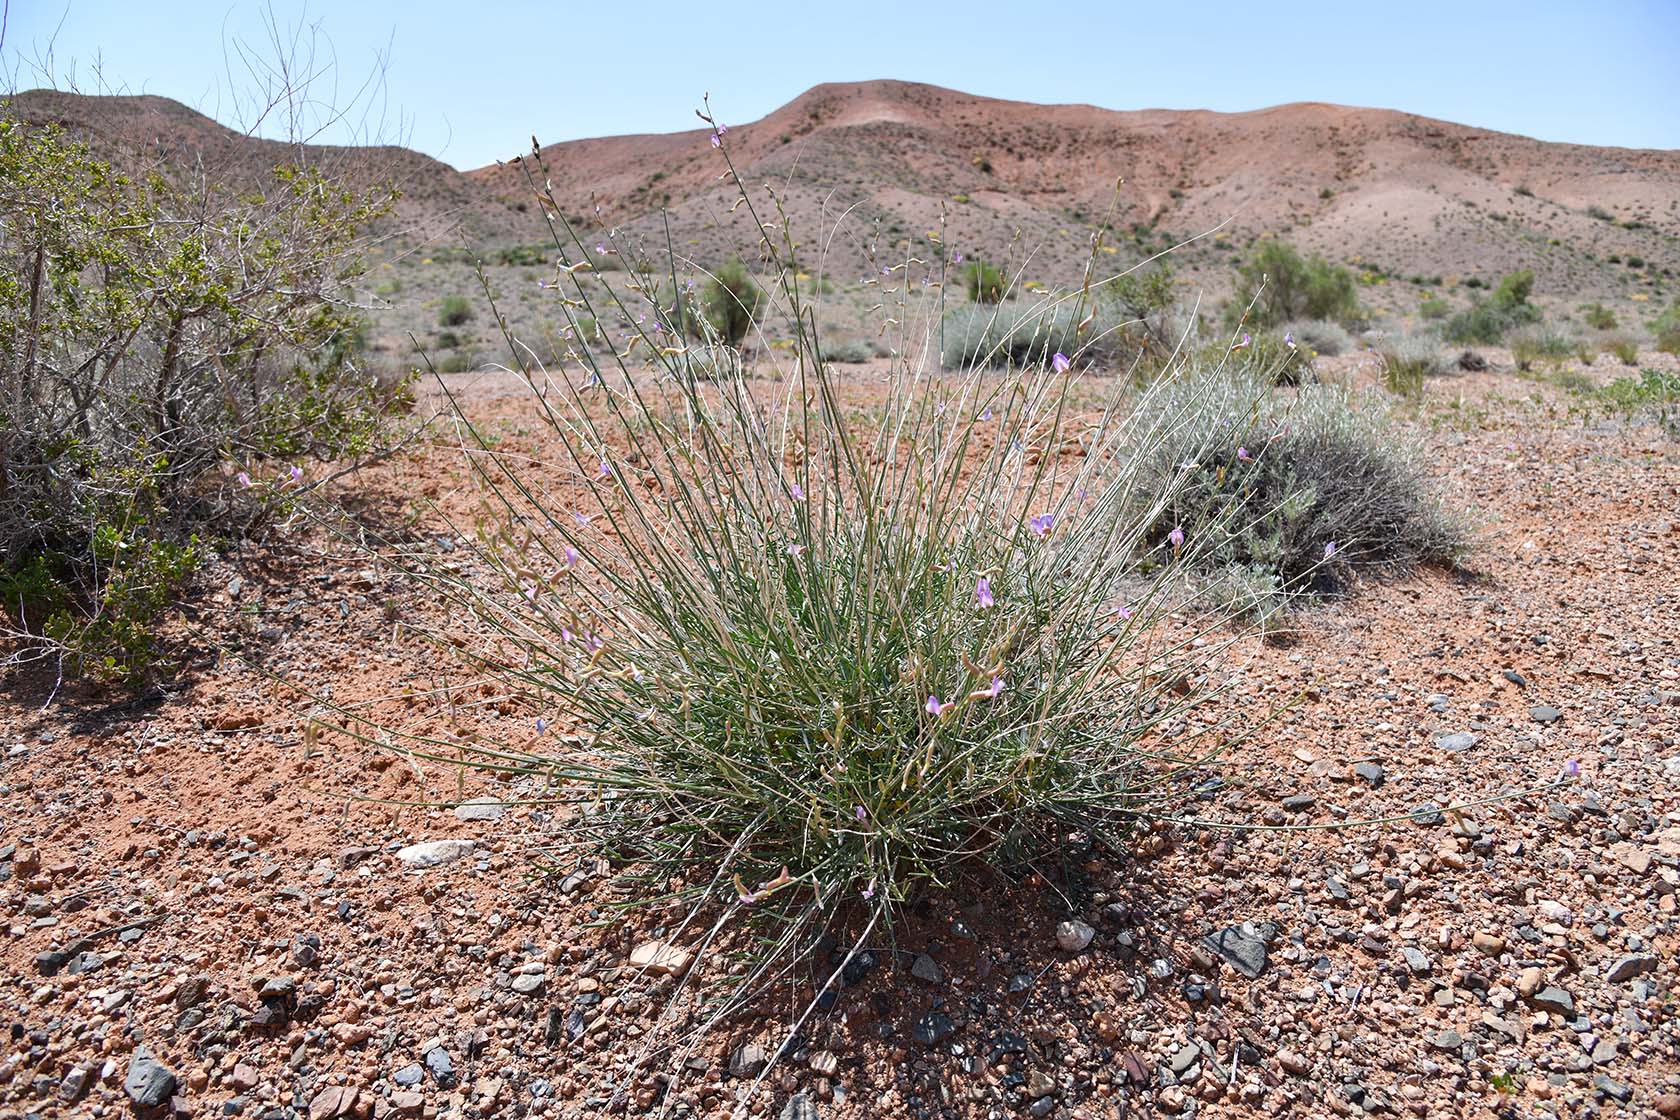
870,172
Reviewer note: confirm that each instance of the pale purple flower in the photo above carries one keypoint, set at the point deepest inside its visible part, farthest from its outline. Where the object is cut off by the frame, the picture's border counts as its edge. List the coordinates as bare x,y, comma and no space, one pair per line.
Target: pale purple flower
566,634
571,557
1040,525
542,725
593,643
933,706
542,283
1572,768
580,517
604,469
1124,612
1244,343
600,247
1060,362
795,550
983,593
1289,339
986,415
1176,538
1243,455
293,476
868,892
797,491
956,258
860,812
992,690
1329,549
722,130
243,479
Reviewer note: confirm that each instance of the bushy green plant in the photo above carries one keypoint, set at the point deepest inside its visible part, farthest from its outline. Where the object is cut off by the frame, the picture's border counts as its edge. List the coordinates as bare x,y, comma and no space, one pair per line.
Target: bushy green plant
1321,336
1540,344
1624,348
849,350
732,298
1285,285
1653,395
1409,361
826,660
1487,321
1599,317
983,283
1311,488
1434,308
455,311
158,336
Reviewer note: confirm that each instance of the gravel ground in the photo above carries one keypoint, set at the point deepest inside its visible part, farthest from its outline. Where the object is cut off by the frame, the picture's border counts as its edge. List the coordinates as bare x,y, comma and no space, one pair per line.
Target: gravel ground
212,910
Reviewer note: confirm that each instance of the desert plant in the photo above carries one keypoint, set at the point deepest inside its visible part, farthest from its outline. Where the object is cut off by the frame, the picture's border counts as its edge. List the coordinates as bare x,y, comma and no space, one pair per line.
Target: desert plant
1311,488
1015,335
1624,348
455,311
158,335
1540,344
983,282
732,298
1487,321
849,350
1599,317
1434,308
825,662
1410,360
1321,336
1285,285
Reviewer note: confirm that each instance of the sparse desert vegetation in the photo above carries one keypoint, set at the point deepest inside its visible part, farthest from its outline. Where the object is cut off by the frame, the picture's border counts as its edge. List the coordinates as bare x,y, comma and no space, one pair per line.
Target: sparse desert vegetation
799,661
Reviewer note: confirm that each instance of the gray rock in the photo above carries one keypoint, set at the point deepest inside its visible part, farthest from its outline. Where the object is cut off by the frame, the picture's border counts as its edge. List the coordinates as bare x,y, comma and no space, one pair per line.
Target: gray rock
149,1083
1416,960
1428,815
1185,1057
528,983
1299,803
1457,741
1515,678
1243,946
1447,1040
927,969
1371,773
410,1075
442,1069
799,1107
1604,1051
1629,967
1554,998
933,1027
1608,1086
1544,713
1073,935
748,1060
75,1083
482,809
435,853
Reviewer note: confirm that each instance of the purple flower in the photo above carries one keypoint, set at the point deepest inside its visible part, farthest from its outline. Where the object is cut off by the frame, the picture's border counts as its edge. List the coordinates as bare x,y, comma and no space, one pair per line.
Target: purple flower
1244,343
860,812
982,594
722,129
1289,339
1060,362
593,643
600,247
956,258
243,479
986,415
604,469
797,491
580,518
933,706
1176,538
868,892
571,557
542,283
1329,549
1040,525
566,634
1244,456
1572,768
293,476
994,688
1124,612
794,550
542,725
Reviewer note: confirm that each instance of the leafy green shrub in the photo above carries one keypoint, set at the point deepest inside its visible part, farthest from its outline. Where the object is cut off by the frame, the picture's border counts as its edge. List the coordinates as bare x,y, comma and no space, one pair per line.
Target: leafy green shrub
1668,342
1653,395
457,361
1434,309
1599,213
850,350
1014,335
983,283
1409,361
1599,317
1311,488
455,311
1624,348
1669,319
1321,336
1487,321
1540,344
732,299
157,336
1290,286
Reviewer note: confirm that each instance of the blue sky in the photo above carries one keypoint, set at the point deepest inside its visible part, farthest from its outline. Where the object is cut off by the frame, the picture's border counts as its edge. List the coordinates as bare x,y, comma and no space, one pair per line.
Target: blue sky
471,81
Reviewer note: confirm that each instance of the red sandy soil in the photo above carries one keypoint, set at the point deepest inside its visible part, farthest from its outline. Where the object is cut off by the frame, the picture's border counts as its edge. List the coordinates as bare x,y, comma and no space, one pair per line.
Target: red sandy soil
1514,959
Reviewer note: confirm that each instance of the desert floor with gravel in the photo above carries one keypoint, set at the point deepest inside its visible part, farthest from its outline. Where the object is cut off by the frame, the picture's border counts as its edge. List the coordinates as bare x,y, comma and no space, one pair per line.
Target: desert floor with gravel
216,903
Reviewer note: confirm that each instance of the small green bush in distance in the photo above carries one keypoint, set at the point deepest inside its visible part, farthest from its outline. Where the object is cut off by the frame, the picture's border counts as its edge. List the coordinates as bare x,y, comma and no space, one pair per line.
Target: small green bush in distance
1536,344
1291,286
1624,348
1654,395
169,352
1312,489
1599,213
1321,336
1599,317
849,350
455,311
983,282
1409,361
1487,321
732,298
1432,309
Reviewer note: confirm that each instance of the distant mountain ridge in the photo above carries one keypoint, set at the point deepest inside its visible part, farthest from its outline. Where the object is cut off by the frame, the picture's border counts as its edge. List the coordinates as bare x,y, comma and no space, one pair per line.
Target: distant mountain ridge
1398,195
